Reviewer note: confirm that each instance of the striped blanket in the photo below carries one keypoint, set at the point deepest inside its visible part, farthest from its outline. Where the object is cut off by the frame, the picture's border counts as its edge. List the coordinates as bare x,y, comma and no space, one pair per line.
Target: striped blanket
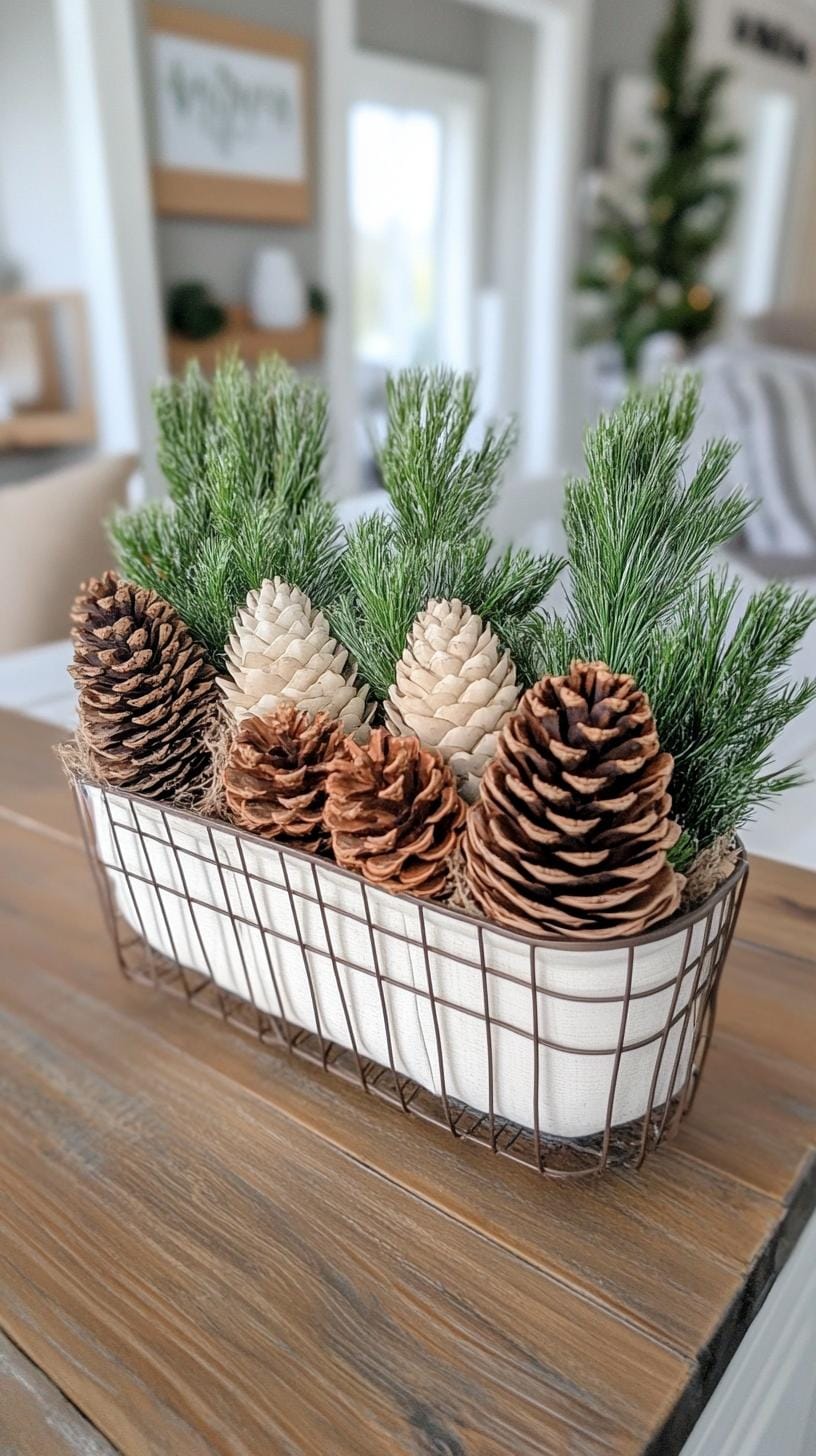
766,400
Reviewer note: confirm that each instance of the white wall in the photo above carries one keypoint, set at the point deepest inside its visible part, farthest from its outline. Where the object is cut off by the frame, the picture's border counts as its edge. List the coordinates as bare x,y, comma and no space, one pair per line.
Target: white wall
104,119
37,222
758,71
74,200
509,73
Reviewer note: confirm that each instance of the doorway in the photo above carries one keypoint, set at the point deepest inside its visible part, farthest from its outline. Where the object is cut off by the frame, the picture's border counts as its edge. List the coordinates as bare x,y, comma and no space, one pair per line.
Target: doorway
414,150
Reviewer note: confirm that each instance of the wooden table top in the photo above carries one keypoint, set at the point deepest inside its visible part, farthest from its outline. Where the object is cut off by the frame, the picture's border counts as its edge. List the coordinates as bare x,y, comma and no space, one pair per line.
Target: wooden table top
209,1247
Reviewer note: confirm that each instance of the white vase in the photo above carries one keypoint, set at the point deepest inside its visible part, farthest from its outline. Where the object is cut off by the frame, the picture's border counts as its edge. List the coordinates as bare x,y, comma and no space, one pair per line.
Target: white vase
277,293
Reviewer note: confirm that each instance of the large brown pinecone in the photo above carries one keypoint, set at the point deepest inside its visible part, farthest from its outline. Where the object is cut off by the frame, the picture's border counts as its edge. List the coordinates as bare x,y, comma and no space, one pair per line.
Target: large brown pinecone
275,775
146,690
570,834
394,813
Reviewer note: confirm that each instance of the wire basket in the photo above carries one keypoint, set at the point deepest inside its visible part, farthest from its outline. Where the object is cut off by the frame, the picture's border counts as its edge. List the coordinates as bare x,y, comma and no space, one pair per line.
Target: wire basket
569,1057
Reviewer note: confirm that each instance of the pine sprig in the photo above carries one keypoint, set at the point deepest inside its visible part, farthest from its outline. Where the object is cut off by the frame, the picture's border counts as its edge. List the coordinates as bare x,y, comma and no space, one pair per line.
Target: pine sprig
720,695
540,645
640,539
638,533
435,543
243,458
438,486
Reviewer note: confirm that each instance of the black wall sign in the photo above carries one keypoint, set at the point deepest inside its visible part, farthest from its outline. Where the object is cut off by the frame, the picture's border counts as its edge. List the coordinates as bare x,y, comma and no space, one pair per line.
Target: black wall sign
771,38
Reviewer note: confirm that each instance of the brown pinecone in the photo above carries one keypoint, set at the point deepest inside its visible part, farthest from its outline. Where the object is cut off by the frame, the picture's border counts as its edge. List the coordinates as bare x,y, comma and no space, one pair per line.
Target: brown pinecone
394,813
146,690
275,775
570,834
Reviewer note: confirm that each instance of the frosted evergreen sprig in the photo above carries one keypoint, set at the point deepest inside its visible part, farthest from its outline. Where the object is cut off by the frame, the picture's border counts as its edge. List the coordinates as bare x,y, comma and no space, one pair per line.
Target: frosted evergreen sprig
719,689
440,487
641,598
435,543
638,533
243,457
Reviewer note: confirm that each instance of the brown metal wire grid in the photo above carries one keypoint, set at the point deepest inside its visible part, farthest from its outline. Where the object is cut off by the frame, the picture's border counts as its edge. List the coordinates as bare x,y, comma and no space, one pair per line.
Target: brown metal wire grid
173,885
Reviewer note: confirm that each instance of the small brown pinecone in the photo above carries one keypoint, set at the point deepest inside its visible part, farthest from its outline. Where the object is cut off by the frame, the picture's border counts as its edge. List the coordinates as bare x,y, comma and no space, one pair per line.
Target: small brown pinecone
394,813
570,834
146,690
275,775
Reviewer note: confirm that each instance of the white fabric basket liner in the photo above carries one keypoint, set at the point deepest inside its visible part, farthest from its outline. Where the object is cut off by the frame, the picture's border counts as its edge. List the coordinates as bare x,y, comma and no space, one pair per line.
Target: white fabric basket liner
201,893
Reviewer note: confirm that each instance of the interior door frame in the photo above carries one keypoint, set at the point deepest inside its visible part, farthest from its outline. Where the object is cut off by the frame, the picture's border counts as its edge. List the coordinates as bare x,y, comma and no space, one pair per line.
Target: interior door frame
395,81
560,37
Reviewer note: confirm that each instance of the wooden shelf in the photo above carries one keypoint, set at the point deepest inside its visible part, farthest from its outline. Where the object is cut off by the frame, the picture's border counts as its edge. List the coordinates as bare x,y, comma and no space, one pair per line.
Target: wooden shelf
298,346
47,430
51,420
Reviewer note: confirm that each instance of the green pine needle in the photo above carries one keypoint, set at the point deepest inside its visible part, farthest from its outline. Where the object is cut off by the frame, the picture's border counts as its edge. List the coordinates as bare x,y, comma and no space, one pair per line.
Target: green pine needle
243,458
720,696
638,534
438,486
641,598
435,544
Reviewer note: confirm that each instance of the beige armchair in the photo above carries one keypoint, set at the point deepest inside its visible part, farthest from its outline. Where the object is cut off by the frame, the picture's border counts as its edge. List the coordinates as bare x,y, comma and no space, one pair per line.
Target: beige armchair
52,537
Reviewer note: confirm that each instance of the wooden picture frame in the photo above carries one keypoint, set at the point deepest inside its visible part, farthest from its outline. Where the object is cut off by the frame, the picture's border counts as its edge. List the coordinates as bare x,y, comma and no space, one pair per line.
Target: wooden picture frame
192,71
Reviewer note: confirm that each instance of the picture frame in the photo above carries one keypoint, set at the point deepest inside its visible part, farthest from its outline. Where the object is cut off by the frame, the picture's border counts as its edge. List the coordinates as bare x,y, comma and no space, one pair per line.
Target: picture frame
232,118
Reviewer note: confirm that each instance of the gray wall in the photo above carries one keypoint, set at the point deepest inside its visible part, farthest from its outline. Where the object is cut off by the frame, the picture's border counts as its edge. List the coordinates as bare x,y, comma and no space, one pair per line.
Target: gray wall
424,30
622,39
508,146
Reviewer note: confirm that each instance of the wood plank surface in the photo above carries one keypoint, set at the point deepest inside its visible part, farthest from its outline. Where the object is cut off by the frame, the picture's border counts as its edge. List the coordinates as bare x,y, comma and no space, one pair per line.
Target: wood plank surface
581,1235
33,787
481,1310
184,1264
35,1417
779,909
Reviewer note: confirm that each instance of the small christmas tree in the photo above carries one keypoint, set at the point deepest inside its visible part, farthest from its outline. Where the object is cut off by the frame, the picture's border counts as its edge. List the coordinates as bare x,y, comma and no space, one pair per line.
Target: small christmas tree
647,266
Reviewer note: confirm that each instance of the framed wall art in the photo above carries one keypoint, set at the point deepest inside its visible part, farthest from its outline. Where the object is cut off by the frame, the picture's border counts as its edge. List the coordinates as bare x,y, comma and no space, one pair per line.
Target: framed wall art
231,113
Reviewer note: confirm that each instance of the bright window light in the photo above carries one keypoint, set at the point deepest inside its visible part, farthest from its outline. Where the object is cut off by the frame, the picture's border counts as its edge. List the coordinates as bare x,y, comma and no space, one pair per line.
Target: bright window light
396,157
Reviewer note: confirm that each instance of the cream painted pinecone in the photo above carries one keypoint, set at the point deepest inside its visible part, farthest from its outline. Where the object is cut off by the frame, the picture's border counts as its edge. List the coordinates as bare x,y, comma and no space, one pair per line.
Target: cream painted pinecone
454,689
281,651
